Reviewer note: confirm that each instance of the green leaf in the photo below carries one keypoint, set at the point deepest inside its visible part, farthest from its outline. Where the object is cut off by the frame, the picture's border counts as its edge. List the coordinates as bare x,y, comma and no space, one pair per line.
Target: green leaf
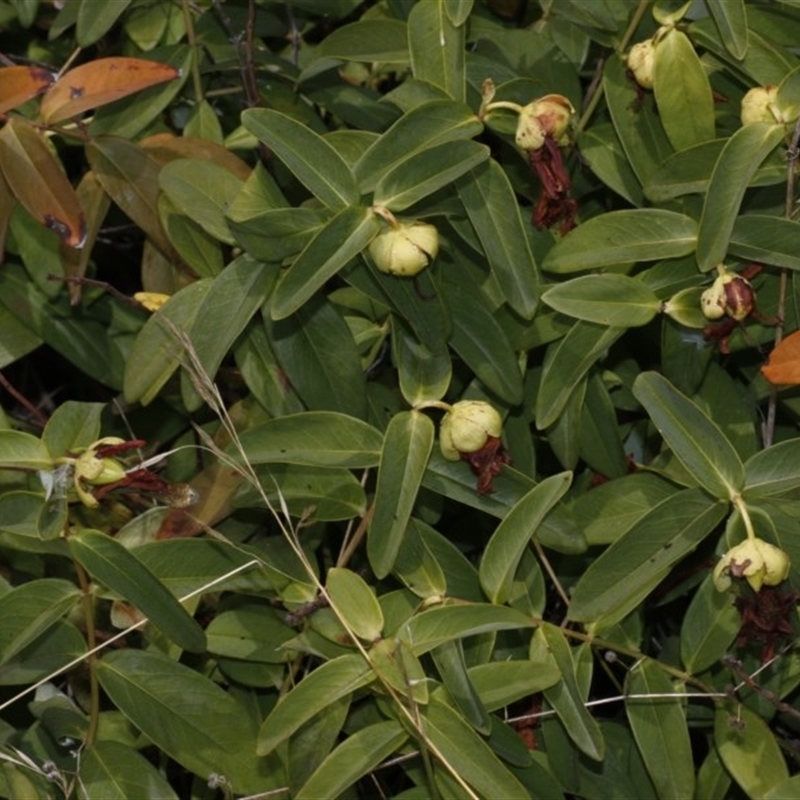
30,609
318,438
354,758
251,632
431,628
57,647
407,446
304,153
659,726
319,358
449,660
20,450
339,241
110,770
158,350
437,48
766,239
504,550
748,749
117,568
468,754
624,574
735,167
731,21
491,205
639,234
566,696
423,128
203,191
384,40
601,148
187,716
417,564
326,684
501,683
601,444
566,363
709,626
682,91
224,312
397,667
423,374
352,597
424,173
71,426
772,471
608,299
694,439
94,21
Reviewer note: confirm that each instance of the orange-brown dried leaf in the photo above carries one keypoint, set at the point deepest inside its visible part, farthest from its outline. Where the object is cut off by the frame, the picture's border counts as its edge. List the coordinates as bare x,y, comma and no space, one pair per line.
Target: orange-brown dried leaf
783,367
20,84
101,82
37,180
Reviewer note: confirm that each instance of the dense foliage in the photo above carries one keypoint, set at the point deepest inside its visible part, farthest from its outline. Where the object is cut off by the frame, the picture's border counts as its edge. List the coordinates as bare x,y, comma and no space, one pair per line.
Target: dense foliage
383,400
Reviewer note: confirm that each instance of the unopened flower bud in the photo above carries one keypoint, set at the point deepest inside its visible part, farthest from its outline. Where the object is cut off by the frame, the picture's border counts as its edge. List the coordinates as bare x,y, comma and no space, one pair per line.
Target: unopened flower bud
760,562
730,294
758,105
466,428
640,62
548,116
94,471
406,249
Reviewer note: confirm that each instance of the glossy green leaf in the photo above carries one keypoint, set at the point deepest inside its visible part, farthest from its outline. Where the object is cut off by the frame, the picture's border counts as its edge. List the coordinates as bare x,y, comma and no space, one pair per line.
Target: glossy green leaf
20,450
329,682
94,22
601,148
614,507
731,21
608,299
384,40
566,696
339,241
637,125
426,172
397,666
501,683
425,127
709,627
624,574
318,356
188,716
418,566
695,440
423,374
504,550
59,645
252,632
304,152
30,609
449,660
771,471
566,363
278,233
117,568
468,754
440,624
601,445
72,425
682,91
436,47
641,234
766,239
225,310
354,758
16,340
201,251
318,438
489,201
110,770
158,350
738,161
203,191
564,435
352,597
748,749
659,726
407,446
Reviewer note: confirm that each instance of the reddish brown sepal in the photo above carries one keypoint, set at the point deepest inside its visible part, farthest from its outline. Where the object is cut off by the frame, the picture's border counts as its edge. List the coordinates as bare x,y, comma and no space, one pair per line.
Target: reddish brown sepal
766,618
487,462
553,206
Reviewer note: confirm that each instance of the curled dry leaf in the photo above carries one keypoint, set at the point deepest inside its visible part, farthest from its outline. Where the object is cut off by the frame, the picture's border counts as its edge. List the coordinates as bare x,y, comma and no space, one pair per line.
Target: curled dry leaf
20,84
783,367
101,82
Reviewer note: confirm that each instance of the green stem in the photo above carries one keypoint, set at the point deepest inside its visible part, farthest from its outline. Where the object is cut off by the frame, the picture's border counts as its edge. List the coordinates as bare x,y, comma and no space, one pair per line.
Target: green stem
741,507
511,106
197,82
87,602
440,404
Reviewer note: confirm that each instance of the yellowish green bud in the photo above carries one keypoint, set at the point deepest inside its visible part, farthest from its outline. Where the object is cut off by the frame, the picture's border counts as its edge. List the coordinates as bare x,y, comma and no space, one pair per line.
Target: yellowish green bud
406,249
640,62
758,105
466,427
759,562
730,294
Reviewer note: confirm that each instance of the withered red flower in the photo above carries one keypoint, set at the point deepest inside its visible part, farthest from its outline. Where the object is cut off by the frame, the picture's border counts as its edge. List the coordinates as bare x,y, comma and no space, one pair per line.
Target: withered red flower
487,462
554,206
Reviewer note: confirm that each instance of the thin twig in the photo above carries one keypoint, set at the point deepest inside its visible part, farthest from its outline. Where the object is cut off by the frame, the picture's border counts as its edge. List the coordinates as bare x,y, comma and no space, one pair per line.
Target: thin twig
38,418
